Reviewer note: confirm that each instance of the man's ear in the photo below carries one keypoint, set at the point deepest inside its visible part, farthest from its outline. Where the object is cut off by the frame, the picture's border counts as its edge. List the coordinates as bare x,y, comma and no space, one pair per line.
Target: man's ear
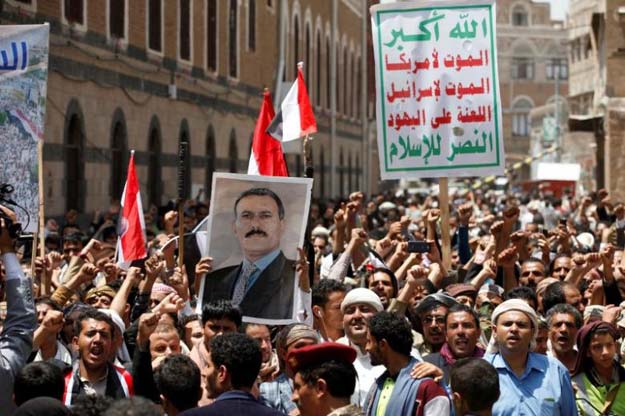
317,311
75,343
222,374
383,345
322,388
456,399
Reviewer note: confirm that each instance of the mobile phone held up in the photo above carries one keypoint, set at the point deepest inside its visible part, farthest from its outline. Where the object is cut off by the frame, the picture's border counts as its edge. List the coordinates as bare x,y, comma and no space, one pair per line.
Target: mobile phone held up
418,247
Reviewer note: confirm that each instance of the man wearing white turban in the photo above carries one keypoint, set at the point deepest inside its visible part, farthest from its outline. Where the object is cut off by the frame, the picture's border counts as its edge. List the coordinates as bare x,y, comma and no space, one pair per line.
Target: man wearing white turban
530,383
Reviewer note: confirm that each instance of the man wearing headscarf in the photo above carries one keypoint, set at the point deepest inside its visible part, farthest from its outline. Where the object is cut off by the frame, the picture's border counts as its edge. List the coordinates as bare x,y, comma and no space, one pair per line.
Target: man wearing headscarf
432,311
598,377
530,383
277,393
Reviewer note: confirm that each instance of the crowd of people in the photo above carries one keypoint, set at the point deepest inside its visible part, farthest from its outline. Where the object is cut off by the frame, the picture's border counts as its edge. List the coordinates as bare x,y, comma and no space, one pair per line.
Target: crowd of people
524,317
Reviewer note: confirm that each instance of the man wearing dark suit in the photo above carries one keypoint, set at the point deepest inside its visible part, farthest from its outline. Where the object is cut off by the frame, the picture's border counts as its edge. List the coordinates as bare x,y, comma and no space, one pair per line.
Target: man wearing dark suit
233,365
262,285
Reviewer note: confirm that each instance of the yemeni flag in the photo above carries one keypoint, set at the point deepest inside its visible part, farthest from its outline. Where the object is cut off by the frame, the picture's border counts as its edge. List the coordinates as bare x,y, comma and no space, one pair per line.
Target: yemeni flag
266,157
131,242
295,118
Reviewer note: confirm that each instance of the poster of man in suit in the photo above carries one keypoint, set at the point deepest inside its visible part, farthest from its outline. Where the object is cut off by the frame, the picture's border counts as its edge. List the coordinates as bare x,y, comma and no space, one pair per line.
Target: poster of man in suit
255,227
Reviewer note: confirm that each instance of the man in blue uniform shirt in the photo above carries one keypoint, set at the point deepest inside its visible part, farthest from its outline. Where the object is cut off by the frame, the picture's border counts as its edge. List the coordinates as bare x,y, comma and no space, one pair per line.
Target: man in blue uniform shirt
530,383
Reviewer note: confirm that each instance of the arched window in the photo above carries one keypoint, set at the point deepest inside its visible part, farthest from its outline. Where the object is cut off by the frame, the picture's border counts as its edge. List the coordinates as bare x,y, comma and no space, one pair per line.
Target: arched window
184,137
357,173
308,57
327,75
337,89
356,87
251,25
322,174
341,175
520,16
119,155
523,62
155,25
250,145
233,44
154,164
233,153
211,34
521,117
184,30
298,165
295,46
117,17
73,155
210,162
349,173
346,64
317,97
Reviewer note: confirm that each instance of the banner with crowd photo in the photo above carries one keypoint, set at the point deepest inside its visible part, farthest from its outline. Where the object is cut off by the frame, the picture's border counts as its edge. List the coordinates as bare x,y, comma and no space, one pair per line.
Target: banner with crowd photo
438,102
23,79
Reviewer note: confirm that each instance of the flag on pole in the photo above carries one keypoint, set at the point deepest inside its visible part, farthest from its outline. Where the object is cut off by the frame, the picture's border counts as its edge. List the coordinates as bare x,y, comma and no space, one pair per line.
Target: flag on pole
131,242
266,157
295,118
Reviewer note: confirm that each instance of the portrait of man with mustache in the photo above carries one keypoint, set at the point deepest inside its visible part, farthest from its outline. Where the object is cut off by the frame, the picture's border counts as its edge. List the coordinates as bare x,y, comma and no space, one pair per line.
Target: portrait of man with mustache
262,284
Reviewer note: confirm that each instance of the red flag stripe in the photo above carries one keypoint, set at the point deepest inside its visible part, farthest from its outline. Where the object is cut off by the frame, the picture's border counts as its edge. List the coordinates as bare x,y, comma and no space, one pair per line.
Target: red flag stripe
306,115
266,150
132,237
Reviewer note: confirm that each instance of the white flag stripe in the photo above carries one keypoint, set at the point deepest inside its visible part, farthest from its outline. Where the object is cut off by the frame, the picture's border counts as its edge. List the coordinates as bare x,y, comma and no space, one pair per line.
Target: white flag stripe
291,122
252,167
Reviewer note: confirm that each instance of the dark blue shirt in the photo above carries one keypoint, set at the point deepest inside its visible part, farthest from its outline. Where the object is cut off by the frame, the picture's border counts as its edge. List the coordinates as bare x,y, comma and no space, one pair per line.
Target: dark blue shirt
234,402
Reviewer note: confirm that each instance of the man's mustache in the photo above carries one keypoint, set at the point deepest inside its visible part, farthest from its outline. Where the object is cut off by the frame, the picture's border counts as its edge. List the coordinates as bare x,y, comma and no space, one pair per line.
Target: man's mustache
255,231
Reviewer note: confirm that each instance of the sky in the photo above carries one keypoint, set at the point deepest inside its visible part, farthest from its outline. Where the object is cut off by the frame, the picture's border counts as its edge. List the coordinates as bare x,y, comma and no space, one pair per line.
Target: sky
559,9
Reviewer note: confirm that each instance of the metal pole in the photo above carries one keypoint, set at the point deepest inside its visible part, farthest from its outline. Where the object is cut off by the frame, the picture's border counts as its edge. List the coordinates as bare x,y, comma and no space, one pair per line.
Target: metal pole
366,172
282,21
556,73
332,52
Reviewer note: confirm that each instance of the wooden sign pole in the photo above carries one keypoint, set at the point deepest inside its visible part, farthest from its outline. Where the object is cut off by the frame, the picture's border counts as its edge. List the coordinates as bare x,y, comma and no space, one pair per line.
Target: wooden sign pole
42,205
443,200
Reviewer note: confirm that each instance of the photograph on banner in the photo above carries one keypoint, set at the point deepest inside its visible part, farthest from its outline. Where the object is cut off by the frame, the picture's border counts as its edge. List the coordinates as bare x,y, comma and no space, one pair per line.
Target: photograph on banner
23,78
438,104
255,226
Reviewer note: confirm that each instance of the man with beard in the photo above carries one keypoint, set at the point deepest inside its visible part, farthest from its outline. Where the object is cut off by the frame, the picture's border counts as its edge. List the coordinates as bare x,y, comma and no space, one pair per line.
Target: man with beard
262,285
219,317
92,374
462,331
277,393
530,383
384,283
564,321
233,364
431,312
262,335
358,307
532,272
395,392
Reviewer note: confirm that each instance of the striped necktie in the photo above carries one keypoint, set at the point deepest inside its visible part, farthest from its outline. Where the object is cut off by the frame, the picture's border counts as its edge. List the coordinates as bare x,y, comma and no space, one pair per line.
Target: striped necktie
239,290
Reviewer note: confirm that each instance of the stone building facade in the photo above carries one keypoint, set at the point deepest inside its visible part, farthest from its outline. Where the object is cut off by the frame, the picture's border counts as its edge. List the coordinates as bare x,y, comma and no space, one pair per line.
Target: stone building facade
597,95
531,54
148,74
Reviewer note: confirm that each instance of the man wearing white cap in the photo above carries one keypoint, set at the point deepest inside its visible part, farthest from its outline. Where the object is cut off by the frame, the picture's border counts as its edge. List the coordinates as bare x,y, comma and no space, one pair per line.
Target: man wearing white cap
358,307
530,383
